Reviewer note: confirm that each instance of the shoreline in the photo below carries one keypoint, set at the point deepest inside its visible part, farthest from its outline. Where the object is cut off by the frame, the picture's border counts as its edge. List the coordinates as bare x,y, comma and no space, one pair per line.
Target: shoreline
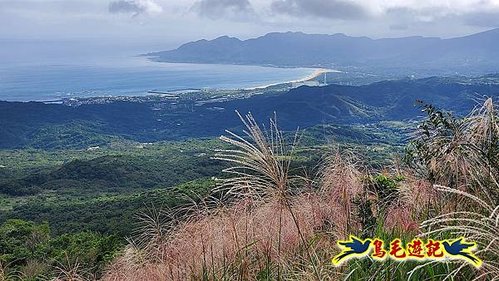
154,93
308,74
317,72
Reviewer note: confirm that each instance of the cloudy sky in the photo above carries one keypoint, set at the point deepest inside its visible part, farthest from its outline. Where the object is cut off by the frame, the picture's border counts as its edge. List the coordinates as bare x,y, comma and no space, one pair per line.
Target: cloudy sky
167,23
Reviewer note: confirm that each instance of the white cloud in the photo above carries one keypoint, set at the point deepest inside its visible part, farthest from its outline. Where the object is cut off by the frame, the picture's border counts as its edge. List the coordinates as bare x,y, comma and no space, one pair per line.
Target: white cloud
331,9
135,7
184,20
216,9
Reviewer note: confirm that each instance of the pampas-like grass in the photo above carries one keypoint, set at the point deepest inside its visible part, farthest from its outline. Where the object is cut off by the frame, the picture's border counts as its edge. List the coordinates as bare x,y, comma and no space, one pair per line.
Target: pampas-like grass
237,241
261,168
69,271
262,222
3,274
341,182
468,165
459,152
261,161
259,223
480,226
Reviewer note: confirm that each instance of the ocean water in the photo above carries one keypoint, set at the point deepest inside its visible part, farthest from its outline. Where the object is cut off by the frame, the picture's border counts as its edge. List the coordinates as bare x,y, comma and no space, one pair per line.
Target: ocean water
132,76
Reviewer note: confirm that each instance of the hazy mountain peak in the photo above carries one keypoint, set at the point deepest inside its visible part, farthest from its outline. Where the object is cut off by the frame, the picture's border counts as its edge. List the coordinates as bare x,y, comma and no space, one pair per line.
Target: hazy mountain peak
227,38
475,53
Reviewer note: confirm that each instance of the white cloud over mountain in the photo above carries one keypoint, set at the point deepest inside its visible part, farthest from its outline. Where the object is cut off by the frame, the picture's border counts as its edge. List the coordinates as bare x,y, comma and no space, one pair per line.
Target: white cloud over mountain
179,20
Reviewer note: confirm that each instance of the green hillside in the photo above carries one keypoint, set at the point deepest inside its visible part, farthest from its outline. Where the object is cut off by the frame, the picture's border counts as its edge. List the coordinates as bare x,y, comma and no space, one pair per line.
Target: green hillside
56,126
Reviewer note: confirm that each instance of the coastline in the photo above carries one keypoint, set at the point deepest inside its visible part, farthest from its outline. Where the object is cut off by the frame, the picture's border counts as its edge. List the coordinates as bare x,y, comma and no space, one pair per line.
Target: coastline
138,76
317,72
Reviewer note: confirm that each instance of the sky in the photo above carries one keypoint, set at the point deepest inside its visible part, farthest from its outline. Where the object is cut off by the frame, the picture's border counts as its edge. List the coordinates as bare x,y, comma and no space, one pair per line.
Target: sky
165,24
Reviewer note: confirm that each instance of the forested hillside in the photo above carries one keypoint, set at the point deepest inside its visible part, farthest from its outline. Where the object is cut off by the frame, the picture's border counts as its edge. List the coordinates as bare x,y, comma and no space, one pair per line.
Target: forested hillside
53,126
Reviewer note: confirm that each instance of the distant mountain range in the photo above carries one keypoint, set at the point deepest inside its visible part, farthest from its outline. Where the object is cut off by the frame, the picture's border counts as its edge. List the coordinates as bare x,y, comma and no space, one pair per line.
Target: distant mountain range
477,53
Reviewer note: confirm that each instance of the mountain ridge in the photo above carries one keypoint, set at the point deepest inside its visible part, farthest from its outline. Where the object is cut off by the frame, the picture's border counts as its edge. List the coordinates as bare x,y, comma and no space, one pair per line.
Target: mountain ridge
471,53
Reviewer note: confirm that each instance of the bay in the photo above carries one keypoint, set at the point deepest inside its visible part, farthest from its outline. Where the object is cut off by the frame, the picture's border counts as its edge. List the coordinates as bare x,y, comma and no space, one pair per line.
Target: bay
130,76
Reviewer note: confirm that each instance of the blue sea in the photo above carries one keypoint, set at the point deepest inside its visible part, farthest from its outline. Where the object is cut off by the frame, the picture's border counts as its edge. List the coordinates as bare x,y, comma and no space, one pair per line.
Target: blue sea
131,76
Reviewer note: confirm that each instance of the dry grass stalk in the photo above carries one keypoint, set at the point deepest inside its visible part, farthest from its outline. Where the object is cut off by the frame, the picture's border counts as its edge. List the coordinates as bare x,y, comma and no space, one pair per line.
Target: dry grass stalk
480,225
261,161
69,271
3,275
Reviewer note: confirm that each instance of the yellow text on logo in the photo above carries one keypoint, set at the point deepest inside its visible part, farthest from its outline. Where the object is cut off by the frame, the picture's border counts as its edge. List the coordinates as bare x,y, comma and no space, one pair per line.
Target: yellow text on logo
416,249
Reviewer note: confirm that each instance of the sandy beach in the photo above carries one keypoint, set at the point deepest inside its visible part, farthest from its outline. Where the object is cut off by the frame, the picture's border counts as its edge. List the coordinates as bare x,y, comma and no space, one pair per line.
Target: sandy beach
317,72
